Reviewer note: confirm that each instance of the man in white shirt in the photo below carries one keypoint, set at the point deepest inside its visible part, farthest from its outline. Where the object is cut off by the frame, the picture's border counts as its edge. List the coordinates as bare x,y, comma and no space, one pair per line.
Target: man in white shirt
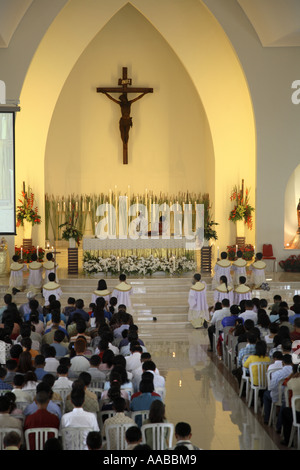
249,313
272,394
62,381
218,317
78,417
148,366
134,360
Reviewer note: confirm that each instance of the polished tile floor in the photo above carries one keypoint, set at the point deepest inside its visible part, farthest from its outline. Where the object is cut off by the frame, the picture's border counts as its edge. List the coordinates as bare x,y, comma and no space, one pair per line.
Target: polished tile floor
199,388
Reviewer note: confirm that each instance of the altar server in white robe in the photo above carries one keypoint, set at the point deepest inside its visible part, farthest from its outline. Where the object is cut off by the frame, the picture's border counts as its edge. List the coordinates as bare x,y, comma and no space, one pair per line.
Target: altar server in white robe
35,278
241,292
223,291
101,291
222,268
122,292
51,288
50,266
258,275
16,278
198,308
239,268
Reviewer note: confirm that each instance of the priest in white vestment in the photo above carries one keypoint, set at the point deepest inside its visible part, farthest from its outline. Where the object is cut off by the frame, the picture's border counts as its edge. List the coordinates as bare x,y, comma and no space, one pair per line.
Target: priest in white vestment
239,268
258,276
35,278
223,291
198,308
51,288
222,268
50,266
16,278
241,292
122,292
101,291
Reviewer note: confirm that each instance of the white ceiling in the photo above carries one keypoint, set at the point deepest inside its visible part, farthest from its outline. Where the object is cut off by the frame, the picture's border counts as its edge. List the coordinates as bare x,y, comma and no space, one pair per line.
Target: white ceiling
11,13
276,22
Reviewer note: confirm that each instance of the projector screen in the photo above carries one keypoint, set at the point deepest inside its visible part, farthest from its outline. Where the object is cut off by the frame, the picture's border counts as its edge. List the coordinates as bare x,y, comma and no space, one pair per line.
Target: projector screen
7,174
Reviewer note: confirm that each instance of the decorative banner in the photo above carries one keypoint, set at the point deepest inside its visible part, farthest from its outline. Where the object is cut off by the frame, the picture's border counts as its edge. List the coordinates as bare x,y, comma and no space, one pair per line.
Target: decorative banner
121,209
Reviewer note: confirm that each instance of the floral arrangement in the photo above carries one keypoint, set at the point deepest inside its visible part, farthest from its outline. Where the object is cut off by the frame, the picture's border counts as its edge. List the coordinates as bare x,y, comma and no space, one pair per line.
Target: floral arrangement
242,209
134,265
25,255
291,264
27,211
71,231
247,250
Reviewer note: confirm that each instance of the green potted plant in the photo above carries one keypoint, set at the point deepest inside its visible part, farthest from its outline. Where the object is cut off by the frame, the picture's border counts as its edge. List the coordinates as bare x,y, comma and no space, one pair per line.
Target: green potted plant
71,232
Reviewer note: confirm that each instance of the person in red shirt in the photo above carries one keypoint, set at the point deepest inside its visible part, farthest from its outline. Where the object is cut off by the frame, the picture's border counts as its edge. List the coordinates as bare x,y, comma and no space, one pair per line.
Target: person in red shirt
42,418
295,335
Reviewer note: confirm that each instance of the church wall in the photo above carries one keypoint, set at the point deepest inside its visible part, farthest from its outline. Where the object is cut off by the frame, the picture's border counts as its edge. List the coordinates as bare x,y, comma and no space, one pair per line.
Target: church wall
208,58
270,72
170,148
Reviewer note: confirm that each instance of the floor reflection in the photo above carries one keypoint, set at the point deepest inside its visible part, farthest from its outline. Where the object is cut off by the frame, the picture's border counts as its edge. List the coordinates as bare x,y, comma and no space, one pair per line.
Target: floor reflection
198,392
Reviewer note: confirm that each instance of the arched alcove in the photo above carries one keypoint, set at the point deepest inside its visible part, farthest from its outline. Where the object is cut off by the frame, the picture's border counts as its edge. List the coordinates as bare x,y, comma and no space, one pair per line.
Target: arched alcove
170,145
292,198
208,58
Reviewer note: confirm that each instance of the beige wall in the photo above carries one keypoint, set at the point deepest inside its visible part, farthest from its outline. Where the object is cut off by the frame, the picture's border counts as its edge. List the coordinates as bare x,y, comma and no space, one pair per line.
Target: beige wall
209,60
170,146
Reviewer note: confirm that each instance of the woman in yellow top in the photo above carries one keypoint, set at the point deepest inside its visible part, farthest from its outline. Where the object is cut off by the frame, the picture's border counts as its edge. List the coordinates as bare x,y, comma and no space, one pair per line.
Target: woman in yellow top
259,356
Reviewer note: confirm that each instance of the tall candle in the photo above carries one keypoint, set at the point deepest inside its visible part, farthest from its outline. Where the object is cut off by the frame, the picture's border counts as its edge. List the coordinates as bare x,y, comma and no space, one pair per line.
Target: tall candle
37,251
118,264
21,253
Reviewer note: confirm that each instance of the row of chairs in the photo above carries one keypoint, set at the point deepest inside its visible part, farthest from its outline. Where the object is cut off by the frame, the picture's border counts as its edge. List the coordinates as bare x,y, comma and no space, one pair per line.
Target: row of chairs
230,349
75,438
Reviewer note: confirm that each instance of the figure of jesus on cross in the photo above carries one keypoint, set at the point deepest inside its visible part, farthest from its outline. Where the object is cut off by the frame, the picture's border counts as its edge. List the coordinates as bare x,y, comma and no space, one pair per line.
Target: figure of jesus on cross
125,122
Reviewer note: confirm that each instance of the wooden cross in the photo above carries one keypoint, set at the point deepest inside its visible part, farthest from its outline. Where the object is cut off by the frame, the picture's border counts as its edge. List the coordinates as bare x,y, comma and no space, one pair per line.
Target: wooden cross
125,122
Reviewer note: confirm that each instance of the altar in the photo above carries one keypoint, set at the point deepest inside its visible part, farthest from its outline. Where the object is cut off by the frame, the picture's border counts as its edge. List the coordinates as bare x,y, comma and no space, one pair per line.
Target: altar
143,246
142,255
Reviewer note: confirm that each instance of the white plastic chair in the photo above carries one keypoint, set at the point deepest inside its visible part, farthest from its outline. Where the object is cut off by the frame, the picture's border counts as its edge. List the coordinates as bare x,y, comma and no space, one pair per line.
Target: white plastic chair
262,382
245,381
106,414
272,418
115,436
159,435
219,327
4,431
40,437
63,393
75,438
231,351
143,414
296,424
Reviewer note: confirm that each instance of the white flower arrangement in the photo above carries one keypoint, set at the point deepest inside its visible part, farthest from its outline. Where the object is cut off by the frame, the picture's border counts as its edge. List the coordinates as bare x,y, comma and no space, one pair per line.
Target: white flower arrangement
136,265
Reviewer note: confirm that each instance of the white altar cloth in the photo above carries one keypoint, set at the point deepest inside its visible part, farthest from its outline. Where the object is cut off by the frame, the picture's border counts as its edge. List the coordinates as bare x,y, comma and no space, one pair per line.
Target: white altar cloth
95,244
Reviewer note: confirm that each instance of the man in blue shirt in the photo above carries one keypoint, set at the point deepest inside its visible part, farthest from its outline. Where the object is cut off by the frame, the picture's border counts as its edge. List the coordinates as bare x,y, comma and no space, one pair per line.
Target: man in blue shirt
79,304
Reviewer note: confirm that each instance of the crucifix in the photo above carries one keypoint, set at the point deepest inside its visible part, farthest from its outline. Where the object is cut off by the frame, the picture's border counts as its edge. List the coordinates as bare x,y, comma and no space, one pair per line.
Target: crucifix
125,122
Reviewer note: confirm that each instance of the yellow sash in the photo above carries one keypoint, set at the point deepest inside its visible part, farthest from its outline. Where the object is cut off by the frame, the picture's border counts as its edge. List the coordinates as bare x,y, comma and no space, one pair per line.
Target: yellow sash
16,266
34,265
102,293
123,287
224,263
242,289
51,286
199,286
259,265
240,263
